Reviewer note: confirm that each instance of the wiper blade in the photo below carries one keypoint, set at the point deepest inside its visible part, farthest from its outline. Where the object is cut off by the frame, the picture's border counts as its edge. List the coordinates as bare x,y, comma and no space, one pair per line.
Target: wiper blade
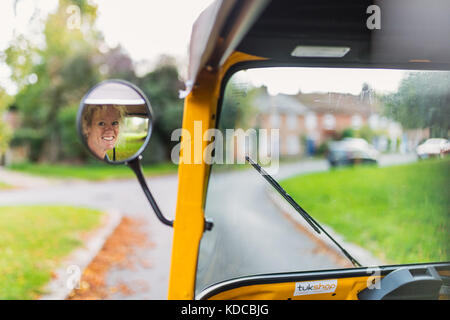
313,223
284,194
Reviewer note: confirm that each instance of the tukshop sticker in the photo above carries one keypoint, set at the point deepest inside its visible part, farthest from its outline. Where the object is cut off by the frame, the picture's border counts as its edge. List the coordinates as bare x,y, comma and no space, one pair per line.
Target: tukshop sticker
315,287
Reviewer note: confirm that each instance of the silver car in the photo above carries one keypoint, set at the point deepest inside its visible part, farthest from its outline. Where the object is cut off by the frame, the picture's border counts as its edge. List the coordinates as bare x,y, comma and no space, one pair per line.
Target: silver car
435,147
351,151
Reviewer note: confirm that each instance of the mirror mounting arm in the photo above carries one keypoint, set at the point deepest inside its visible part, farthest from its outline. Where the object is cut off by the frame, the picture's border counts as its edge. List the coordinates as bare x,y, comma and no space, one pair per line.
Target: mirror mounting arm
135,165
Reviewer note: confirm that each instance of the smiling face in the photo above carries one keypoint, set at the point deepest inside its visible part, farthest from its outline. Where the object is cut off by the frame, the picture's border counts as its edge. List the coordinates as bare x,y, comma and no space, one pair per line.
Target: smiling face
103,131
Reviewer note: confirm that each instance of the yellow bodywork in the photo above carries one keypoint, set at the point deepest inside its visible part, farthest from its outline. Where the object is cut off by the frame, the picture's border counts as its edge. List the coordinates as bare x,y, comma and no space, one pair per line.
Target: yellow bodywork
346,289
199,108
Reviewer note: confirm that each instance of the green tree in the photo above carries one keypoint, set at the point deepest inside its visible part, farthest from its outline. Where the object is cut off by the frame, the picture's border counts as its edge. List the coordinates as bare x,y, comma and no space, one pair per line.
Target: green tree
347,133
5,130
238,109
366,133
422,101
54,76
162,86
116,64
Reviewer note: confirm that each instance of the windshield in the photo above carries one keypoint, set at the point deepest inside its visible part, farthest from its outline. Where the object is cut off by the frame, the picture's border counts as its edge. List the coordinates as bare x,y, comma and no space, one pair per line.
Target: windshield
343,143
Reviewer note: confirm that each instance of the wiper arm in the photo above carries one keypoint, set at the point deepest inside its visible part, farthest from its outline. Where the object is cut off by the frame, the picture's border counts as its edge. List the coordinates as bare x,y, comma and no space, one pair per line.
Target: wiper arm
285,195
313,223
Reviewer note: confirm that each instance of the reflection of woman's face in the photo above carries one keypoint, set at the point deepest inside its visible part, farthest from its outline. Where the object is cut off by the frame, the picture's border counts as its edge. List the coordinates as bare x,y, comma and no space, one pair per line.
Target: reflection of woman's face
104,131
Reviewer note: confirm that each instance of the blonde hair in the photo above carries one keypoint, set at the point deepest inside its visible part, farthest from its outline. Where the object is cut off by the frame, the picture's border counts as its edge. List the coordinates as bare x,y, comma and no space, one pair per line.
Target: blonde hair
88,115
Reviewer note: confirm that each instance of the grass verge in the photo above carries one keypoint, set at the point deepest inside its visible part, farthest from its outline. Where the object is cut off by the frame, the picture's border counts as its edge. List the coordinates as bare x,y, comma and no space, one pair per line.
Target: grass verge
5,186
400,213
33,239
91,172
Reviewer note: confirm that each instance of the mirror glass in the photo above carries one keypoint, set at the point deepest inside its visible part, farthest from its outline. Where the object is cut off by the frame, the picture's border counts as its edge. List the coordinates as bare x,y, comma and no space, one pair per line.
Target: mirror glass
115,121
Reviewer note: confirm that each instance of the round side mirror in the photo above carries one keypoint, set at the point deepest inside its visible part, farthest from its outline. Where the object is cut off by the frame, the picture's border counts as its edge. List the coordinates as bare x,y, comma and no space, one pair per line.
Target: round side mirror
115,121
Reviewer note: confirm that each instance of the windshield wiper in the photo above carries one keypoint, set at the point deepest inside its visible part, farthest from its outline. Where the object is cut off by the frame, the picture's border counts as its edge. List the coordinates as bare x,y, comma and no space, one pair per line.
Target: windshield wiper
313,223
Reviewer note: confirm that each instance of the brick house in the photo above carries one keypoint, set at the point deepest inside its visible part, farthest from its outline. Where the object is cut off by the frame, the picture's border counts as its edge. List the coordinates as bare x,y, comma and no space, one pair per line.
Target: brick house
336,111
286,113
306,120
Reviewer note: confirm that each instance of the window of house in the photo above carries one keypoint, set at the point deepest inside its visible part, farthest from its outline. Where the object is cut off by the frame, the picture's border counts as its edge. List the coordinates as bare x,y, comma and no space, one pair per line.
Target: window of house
329,122
292,121
311,121
357,121
292,144
275,120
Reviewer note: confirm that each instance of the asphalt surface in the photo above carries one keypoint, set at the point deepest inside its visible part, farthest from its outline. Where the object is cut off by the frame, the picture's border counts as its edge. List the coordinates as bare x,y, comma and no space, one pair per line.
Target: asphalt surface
250,235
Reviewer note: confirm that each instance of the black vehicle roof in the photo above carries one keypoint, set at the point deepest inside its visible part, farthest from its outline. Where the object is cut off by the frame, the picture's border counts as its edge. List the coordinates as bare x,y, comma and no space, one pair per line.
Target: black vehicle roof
413,34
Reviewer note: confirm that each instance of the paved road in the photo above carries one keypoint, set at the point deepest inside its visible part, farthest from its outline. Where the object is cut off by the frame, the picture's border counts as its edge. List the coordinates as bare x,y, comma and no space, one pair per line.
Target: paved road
237,203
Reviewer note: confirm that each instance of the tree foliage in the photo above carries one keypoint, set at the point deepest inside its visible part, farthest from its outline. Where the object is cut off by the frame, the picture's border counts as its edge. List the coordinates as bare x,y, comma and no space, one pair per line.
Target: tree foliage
5,130
54,74
51,76
422,101
161,87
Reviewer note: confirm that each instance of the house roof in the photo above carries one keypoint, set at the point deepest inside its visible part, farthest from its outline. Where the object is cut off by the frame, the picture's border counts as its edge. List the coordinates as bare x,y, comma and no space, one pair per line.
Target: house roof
280,103
302,103
339,103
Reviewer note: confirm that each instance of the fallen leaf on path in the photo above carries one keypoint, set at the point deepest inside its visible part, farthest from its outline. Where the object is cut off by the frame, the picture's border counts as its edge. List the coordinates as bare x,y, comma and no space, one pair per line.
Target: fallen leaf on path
117,252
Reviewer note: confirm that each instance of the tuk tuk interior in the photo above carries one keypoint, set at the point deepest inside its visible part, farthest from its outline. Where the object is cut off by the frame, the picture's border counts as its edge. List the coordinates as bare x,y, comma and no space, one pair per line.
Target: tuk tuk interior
234,35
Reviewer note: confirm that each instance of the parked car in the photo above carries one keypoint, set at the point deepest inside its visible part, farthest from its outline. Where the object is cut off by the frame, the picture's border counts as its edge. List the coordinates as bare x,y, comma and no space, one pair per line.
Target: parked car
435,147
351,151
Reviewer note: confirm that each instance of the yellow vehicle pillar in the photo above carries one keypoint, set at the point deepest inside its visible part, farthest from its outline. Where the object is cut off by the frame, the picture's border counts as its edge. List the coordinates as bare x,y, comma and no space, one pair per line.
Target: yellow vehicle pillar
199,109
199,115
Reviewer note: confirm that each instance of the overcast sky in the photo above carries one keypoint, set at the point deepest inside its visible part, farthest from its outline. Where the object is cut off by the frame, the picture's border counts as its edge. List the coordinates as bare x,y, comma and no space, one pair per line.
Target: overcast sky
147,29
291,80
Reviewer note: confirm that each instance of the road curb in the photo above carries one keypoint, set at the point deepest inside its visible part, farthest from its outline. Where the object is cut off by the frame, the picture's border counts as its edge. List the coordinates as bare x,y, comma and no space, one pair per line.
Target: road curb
362,255
71,269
